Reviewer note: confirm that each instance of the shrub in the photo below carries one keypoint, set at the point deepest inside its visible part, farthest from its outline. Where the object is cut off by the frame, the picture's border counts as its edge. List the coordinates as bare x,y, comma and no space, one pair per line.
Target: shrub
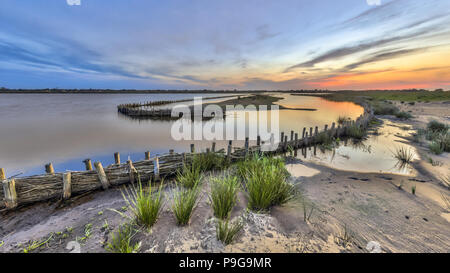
224,195
145,204
265,180
184,203
403,115
384,109
436,148
226,232
356,132
121,240
437,127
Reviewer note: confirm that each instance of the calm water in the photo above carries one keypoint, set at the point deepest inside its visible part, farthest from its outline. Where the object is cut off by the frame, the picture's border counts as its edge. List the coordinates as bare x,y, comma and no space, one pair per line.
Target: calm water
66,128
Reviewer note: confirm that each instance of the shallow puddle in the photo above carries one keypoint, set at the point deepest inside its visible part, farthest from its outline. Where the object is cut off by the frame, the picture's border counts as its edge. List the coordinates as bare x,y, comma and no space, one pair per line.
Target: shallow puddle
372,155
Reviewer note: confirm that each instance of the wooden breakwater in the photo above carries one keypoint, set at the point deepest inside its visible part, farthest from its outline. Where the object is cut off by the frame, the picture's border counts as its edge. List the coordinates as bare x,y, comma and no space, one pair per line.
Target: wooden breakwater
28,190
148,110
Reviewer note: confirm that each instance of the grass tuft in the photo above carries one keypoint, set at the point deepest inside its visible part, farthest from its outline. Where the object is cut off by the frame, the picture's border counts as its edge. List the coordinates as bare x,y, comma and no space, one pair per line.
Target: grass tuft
121,240
224,195
144,204
190,175
184,203
226,231
265,180
404,155
342,119
356,132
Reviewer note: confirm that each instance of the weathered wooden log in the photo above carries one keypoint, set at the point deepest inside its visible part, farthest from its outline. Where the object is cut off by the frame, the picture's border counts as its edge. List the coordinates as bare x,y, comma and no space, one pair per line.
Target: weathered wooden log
49,168
67,185
132,171
88,164
102,175
9,190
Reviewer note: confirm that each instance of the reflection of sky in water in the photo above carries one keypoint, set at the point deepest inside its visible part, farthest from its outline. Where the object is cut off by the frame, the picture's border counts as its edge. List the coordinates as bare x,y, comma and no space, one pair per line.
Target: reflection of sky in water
66,128
372,155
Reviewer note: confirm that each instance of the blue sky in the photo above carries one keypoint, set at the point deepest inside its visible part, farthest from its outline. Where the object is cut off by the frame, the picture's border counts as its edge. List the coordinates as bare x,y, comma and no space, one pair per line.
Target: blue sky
224,44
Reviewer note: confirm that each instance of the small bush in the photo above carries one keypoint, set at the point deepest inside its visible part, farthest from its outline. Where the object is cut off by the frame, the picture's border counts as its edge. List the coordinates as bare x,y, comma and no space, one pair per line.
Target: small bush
342,119
265,180
226,232
224,195
403,115
121,240
184,203
437,127
436,148
404,155
209,161
384,109
355,132
145,204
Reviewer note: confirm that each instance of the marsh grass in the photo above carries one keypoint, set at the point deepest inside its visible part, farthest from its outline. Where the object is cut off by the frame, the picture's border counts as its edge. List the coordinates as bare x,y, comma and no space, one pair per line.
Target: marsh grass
356,132
403,155
145,204
190,175
403,115
345,237
227,231
265,181
184,202
223,195
435,148
121,240
209,161
342,119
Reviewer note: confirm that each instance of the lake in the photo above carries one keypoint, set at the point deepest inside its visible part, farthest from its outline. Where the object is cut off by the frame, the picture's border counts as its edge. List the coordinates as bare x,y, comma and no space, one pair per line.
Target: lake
65,129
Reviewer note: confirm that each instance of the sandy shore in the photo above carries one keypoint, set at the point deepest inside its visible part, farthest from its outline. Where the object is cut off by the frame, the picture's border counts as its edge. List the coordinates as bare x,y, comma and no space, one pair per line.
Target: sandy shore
344,210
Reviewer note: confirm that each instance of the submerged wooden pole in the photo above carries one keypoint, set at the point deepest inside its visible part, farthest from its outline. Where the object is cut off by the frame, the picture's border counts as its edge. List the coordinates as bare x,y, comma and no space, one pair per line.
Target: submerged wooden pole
67,185
101,175
258,140
147,155
88,164
49,168
292,135
304,131
117,158
9,191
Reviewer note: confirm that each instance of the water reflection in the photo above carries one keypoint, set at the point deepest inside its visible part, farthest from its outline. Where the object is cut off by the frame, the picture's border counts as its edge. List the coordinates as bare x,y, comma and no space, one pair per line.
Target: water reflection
372,155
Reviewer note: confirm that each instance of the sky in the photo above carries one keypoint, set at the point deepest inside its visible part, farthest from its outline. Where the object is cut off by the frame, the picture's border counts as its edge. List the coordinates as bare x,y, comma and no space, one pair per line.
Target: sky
232,44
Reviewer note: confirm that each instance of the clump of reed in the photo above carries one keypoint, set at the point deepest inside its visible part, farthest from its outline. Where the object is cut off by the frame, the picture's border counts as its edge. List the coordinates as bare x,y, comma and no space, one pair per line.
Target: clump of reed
265,181
403,115
121,240
227,231
438,135
223,195
404,155
355,132
145,204
382,108
342,119
209,161
184,202
190,175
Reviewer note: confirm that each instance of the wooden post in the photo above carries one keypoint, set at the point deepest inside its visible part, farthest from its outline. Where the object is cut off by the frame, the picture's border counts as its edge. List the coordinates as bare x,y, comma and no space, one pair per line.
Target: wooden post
282,136
310,132
117,158
213,147
49,168
147,155
229,148
192,148
304,131
131,171
156,169
246,145
258,140
325,128
316,131
67,185
88,164
306,139
171,151
296,141
208,150
2,174
9,190
292,135
101,175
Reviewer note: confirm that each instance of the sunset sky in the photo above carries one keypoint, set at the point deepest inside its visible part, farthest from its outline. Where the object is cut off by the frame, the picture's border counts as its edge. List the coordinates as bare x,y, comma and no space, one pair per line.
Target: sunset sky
233,44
